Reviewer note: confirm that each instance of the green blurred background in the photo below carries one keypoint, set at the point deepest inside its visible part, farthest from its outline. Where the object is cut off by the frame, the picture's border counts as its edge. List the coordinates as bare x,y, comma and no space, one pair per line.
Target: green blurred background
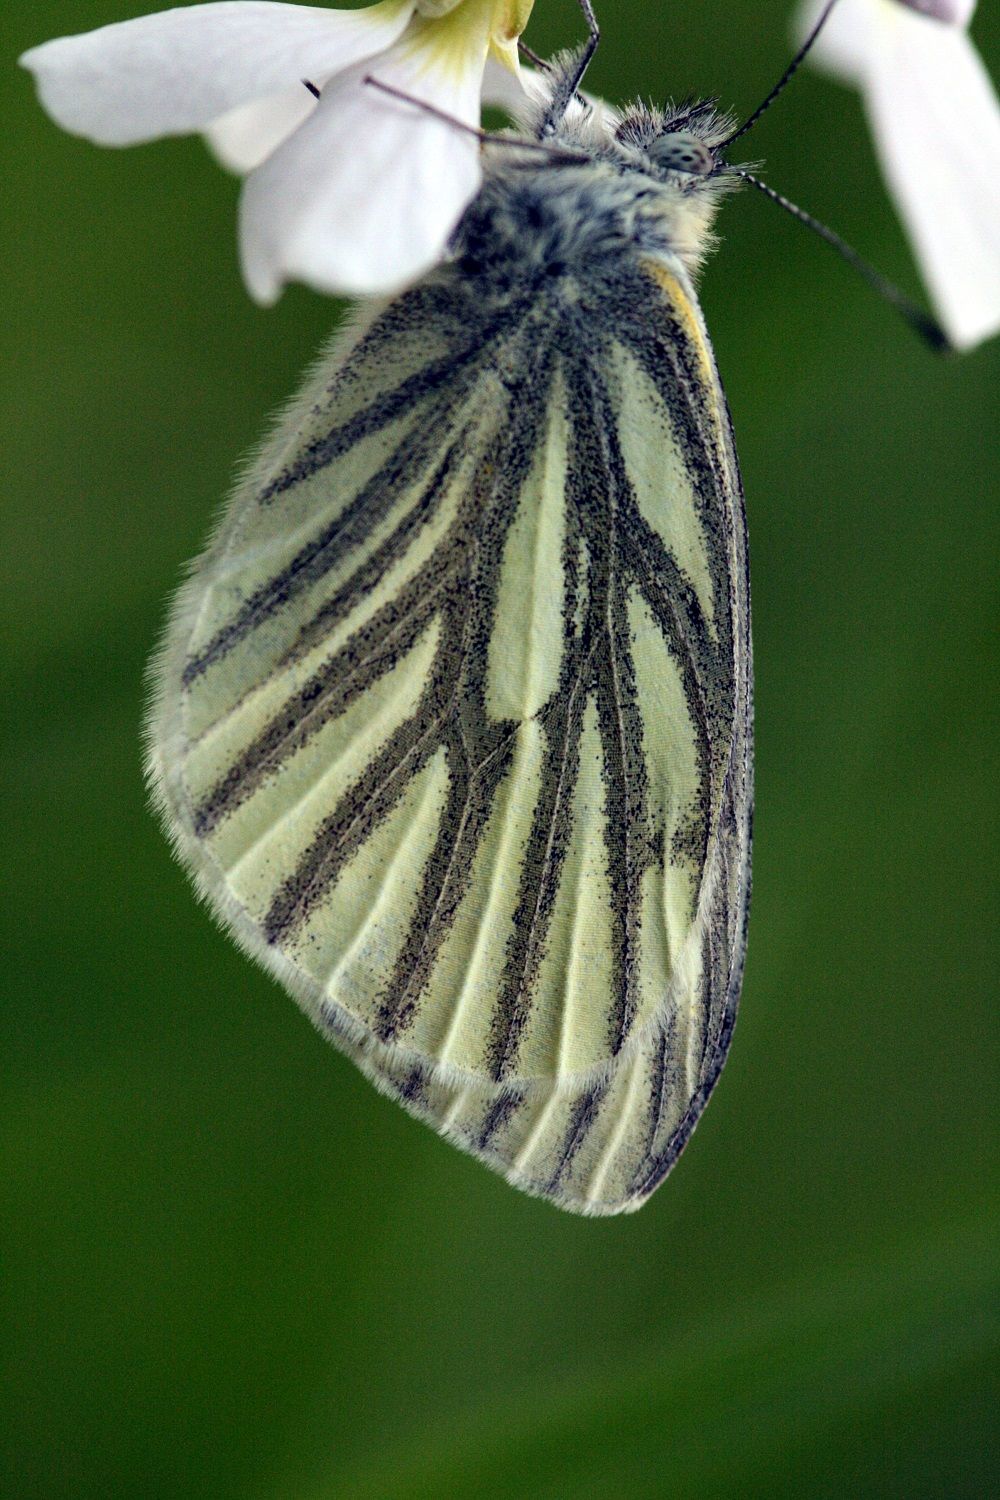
232,1269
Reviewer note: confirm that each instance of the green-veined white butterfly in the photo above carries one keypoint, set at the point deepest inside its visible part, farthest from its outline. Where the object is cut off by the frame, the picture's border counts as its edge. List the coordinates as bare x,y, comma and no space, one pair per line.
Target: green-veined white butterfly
453,718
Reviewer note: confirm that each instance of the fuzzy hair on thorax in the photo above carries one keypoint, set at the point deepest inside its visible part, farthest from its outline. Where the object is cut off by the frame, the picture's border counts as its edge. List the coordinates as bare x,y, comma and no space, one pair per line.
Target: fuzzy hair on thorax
601,192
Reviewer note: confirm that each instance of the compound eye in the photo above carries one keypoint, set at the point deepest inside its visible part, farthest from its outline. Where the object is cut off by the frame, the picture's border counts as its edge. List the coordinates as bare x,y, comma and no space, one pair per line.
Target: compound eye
679,152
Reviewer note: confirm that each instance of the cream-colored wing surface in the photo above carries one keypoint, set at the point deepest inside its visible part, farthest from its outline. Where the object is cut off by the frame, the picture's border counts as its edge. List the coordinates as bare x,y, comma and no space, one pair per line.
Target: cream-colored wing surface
452,722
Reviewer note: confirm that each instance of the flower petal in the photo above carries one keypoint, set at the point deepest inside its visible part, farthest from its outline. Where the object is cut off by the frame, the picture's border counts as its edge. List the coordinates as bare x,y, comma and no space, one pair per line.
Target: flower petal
512,92
179,70
857,30
954,12
525,95
936,121
848,38
246,136
363,197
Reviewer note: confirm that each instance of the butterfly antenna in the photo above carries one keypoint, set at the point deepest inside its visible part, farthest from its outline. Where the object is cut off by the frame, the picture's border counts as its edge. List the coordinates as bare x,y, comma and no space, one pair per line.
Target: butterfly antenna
920,321
786,77
533,57
485,137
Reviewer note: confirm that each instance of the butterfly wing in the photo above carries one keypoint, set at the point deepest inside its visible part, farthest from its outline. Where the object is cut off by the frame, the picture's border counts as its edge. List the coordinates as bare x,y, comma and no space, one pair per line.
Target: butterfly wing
452,721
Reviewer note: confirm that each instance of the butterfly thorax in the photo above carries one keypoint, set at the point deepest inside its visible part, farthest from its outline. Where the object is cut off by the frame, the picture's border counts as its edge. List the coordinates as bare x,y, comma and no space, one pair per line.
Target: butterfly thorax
641,182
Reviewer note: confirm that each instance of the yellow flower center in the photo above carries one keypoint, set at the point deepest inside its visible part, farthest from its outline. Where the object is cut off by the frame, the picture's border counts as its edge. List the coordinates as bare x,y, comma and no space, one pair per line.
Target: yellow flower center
461,30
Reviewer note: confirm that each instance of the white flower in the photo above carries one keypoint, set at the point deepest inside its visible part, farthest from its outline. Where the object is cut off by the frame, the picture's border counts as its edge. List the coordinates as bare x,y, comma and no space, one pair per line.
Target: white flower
936,122
355,192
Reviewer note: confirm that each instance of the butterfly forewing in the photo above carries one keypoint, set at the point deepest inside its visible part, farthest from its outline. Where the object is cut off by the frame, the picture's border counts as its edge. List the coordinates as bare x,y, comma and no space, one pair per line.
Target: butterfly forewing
453,721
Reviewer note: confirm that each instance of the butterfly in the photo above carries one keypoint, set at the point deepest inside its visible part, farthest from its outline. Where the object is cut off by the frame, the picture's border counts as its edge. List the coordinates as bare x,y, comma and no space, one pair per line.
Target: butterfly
452,721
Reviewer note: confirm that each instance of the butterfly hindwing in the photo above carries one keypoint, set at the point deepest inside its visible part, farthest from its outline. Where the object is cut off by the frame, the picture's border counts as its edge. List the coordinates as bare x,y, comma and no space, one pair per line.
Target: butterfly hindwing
452,722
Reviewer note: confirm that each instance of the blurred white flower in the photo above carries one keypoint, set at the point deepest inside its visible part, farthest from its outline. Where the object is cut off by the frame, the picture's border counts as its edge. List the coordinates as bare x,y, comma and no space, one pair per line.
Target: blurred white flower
936,122
354,192
955,12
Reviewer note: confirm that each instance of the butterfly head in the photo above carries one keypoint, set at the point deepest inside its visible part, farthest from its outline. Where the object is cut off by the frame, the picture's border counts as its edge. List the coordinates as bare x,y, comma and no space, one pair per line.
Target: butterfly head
677,153
680,151
599,182
682,141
